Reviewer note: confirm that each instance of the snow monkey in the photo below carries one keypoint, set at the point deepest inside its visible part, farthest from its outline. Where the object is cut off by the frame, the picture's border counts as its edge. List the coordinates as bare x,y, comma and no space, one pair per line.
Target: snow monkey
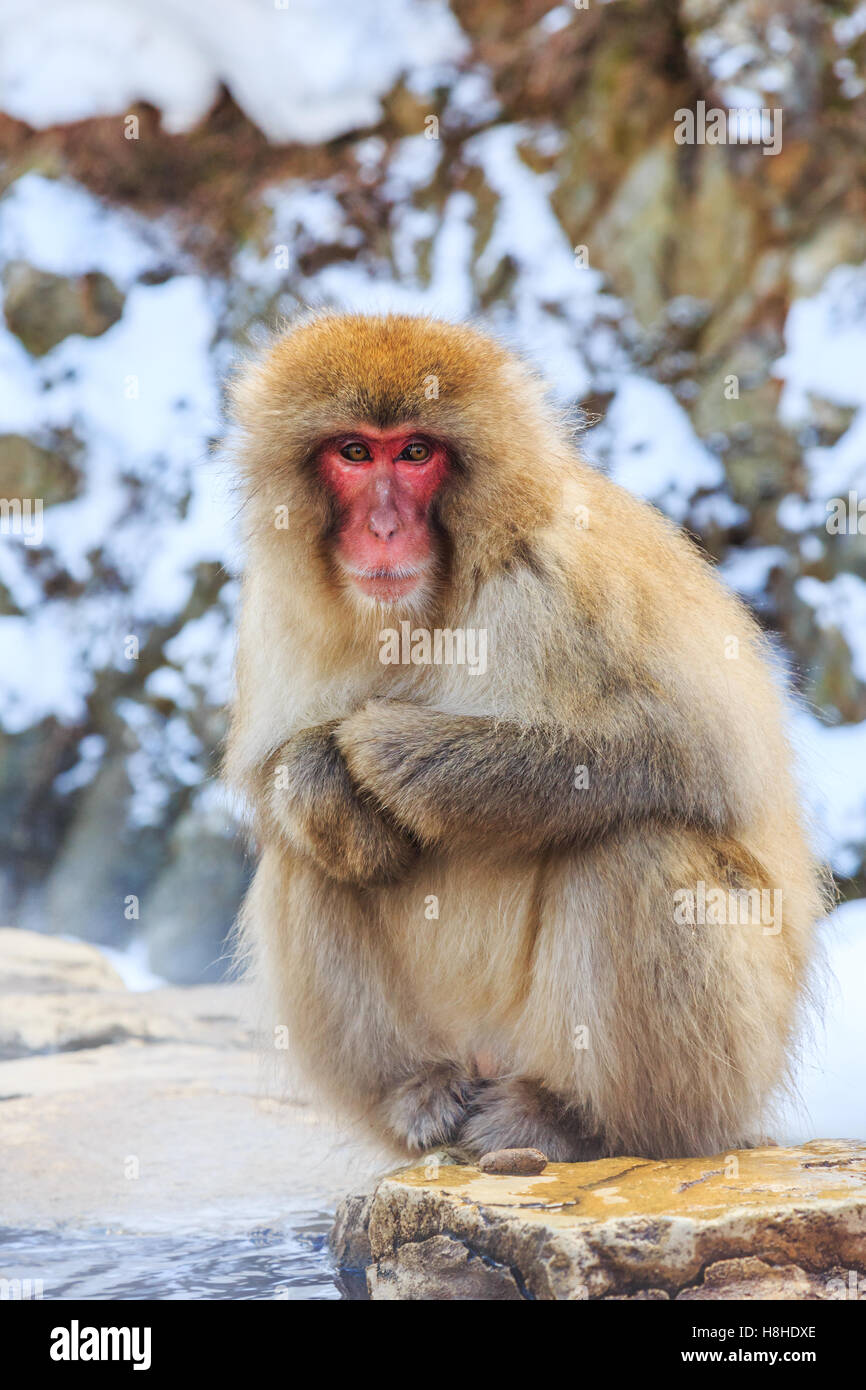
561,897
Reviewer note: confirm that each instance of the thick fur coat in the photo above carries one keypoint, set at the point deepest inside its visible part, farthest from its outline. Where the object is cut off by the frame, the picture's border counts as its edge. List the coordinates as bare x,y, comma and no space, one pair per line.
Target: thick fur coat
624,744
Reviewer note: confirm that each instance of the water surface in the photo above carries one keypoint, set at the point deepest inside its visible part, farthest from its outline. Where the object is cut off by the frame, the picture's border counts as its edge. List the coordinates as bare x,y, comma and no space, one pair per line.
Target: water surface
264,1263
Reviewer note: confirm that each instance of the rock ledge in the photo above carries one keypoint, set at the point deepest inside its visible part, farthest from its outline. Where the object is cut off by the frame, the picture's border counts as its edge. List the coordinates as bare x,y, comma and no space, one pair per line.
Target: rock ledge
758,1224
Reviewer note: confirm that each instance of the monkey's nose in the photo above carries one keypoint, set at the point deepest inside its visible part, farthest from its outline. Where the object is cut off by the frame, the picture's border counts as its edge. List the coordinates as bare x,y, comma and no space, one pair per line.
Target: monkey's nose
383,525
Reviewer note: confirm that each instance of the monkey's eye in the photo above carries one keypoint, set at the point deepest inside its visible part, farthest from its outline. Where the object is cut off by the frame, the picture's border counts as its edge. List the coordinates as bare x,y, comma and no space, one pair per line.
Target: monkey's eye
416,452
355,452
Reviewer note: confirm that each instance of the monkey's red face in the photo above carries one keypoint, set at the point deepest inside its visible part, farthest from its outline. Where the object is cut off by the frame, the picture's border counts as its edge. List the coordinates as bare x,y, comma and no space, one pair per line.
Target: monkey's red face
384,482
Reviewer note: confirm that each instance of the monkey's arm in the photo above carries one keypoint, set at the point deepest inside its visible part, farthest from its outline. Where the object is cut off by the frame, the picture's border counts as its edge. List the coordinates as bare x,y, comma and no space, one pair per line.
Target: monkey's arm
457,778
306,798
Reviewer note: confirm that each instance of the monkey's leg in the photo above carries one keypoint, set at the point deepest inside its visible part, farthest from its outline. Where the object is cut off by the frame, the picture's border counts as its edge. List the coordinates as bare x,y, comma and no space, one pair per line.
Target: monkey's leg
319,951
429,1108
673,1033
518,1113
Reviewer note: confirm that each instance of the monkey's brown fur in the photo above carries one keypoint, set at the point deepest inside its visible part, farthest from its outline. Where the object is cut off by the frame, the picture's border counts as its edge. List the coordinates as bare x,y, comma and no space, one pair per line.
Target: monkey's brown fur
609,648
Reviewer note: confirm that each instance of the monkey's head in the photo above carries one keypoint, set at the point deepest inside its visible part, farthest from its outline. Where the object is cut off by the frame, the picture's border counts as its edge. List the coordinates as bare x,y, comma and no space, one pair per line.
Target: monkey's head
395,458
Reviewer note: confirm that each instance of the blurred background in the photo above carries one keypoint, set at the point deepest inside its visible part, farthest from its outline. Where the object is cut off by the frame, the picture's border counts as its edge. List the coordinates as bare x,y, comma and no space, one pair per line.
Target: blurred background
175,178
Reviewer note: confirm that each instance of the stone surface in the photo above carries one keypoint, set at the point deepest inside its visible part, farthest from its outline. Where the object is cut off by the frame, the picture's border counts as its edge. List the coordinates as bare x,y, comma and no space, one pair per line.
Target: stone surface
64,1022
766,1223
513,1161
443,1269
158,1114
42,309
27,470
350,1236
31,963
753,1278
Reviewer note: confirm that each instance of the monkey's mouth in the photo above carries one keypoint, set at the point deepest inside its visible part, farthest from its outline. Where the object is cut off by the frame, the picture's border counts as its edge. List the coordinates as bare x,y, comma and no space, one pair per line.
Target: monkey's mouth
386,581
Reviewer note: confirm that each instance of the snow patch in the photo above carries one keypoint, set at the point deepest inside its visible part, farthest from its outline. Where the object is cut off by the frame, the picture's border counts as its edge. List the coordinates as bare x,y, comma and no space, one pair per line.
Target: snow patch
67,60
650,447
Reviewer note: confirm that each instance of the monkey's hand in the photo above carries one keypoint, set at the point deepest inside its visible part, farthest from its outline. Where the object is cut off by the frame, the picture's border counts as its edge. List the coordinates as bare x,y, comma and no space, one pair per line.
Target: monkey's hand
311,802
464,779
449,778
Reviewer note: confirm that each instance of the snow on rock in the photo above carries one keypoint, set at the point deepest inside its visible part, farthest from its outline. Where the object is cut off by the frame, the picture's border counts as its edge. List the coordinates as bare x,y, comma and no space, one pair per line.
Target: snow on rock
825,345
832,768
68,60
747,571
840,603
143,400
60,227
651,447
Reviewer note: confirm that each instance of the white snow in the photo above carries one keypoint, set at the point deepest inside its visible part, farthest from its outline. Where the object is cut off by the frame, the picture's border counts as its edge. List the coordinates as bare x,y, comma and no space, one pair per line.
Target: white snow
304,70
167,753
825,346
747,570
555,20
832,771
841,467
131,964
548,272
847,29
840,603
58,226
832,1097
143,400
651,448
204,649
90,753
41,672
370,286
560,314
825,357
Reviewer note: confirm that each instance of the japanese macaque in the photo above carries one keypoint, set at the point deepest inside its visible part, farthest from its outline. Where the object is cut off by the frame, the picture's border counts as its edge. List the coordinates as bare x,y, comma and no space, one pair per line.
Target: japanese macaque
561,898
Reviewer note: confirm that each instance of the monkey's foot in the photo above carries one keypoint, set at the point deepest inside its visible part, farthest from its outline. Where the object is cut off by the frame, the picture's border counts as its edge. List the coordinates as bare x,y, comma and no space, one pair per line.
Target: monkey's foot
448,1155
428,1109
521,1114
